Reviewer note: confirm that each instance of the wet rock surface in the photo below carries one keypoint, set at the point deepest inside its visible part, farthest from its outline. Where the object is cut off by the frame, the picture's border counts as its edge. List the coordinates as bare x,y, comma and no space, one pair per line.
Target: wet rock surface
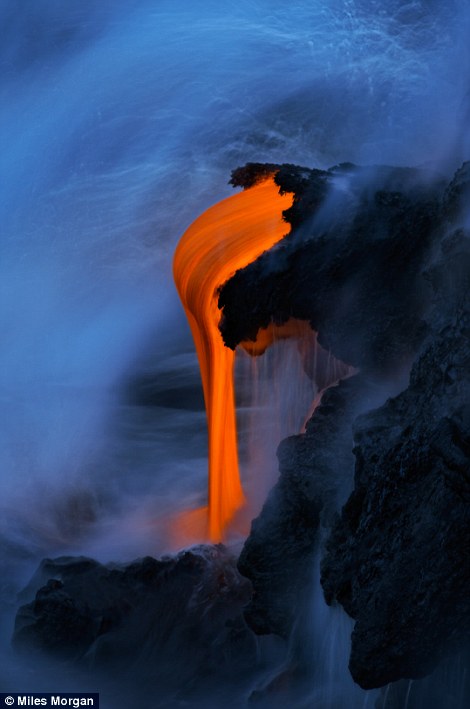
398,558
378,263
175,620
315,468
350,265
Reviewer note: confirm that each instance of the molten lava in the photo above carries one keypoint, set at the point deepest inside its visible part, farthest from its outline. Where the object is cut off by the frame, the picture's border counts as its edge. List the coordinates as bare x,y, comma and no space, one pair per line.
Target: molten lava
228,236
292,328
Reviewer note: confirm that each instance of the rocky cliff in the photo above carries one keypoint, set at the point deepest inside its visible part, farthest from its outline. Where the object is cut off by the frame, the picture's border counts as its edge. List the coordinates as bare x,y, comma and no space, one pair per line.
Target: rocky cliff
378,262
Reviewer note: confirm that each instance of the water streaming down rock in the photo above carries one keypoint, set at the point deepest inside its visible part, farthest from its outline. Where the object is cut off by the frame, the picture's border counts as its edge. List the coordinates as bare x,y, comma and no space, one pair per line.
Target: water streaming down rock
280,379
315,673
374,561
226,238
274,393
331,685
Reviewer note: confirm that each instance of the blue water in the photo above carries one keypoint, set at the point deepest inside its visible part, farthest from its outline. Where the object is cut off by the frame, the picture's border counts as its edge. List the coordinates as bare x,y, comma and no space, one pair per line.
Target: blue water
121,121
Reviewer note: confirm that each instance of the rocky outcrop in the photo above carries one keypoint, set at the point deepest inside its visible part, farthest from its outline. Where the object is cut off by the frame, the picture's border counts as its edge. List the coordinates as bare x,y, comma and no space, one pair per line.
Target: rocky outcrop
375,262
398,558
350,266
457,197
174,620
315,468
378,261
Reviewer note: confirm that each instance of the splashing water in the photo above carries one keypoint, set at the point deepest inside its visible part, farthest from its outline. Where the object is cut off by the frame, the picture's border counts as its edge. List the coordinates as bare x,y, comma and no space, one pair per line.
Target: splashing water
122,120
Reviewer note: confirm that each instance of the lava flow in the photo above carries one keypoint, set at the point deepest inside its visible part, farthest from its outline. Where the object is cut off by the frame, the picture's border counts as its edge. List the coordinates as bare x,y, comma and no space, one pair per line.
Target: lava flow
226,237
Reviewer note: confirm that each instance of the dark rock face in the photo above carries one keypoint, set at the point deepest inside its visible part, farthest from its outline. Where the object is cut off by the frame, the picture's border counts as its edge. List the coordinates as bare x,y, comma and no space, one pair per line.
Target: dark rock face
457,195
278,554
398,559
181,616
378,262
448,686
349,266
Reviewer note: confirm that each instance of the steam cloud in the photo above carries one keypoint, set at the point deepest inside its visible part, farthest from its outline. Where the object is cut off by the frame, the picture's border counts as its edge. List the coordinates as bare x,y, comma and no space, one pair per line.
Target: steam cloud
122,121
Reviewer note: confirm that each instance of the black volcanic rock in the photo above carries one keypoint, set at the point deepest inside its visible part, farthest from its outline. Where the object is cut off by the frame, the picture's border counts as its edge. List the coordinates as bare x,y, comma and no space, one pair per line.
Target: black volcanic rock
350,265
309,187
315,468
457,195
378,262
174,620
398,558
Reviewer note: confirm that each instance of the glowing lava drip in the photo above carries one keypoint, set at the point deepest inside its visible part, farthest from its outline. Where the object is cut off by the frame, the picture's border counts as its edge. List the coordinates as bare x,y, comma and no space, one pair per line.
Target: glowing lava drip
228,236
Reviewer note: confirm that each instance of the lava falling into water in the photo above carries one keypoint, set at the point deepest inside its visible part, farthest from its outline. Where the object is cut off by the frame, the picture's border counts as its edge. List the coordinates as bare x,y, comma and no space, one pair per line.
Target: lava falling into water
226,237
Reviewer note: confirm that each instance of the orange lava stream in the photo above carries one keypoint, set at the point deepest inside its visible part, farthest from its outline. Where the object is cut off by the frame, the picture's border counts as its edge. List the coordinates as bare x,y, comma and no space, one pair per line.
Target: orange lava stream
226,237
292,328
